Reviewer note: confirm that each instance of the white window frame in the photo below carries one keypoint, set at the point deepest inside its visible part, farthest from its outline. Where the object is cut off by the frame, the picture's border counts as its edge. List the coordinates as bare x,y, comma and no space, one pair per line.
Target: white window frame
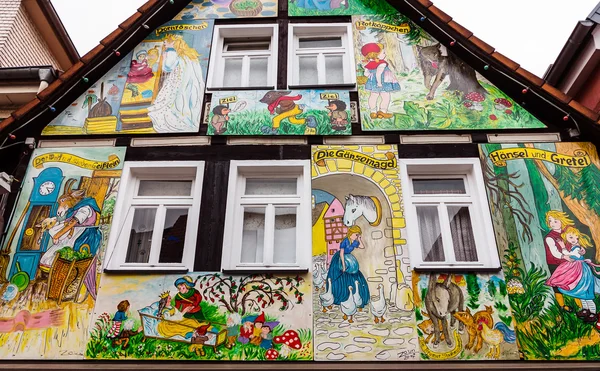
297,31
234,217
470,170
217,57
133,173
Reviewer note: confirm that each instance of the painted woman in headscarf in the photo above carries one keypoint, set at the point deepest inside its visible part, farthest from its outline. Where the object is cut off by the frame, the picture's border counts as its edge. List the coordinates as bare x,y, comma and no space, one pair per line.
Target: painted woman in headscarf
178,103
344,270
188,299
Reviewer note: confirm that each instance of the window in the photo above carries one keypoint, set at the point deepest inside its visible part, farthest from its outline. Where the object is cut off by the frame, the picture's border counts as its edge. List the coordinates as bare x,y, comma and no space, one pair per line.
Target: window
448,219
267,225
321,55
156,216
243,56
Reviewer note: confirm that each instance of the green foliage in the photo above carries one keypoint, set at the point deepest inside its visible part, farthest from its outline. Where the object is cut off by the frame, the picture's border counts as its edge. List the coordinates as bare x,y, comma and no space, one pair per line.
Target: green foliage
569,182
491,288
67,253
354,7
473,290
508,320
500,306
502,288
108,207
530,304
414,37
590,179
418,315
251,122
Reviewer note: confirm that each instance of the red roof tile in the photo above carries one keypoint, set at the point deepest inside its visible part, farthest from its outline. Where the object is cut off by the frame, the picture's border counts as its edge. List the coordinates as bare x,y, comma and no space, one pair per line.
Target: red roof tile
21,111
556,93
487,48
512,65
147,6
71,71
6,123
426,3
439,14
584,110
92,53
533,79
130,21
460,29
49,90
111,37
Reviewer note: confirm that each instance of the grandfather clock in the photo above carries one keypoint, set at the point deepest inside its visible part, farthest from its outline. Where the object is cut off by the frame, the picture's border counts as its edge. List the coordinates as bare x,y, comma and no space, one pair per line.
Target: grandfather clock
33,242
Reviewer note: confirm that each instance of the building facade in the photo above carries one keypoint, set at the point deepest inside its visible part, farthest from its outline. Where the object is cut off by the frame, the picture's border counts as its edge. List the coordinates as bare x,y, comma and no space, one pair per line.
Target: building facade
319,181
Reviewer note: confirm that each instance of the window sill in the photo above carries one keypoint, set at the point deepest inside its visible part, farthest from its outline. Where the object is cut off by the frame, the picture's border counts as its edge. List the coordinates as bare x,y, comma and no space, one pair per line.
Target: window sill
456,269
324,86
238,88
153,270
251,270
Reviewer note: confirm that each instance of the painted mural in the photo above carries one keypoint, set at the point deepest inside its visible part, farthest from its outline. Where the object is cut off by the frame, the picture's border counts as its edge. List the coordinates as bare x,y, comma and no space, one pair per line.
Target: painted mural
409,81
285,112
50,263
213,9
544,200
157,88
464,316
312,8
202,316
362,297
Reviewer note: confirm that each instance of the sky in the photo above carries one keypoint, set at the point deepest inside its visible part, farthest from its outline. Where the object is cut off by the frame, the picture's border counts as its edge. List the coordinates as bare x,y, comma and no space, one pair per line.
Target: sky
530,32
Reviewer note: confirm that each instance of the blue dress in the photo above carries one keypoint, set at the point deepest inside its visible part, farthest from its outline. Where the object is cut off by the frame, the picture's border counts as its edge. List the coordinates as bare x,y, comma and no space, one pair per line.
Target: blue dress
389,83
340,280
587,286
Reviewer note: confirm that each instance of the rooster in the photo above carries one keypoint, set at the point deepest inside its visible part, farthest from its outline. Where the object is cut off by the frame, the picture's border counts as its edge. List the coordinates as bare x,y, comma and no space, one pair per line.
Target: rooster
494,337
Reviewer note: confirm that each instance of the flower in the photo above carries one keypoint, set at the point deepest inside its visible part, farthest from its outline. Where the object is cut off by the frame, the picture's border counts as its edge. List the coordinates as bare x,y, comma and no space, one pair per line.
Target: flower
514,286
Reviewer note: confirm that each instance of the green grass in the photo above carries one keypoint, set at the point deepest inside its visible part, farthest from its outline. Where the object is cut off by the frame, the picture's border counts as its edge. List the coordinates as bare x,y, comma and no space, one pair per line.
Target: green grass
100,346
354,7
250,123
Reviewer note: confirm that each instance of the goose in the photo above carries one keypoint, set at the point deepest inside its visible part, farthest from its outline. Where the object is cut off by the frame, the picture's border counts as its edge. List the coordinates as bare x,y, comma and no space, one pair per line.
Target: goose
357,298
348,307
379,306
318,279
327,297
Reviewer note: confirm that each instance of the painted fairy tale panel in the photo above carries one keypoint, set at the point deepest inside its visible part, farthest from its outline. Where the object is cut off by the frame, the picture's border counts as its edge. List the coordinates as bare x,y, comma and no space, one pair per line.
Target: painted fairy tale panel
157,88
202,316
362,297
311,8
50,263
409,81
305,112
472,314
548,230
214,9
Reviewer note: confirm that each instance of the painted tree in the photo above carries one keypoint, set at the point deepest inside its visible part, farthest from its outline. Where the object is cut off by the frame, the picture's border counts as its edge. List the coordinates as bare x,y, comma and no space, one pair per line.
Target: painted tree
491,288
251,293
473,290
584,202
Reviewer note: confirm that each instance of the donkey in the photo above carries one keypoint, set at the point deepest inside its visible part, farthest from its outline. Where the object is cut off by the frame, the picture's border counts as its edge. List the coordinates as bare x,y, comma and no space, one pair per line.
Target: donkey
443,300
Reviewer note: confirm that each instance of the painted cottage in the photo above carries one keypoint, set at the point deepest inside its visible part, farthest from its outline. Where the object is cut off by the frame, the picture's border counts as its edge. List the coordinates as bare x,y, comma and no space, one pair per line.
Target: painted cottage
242,182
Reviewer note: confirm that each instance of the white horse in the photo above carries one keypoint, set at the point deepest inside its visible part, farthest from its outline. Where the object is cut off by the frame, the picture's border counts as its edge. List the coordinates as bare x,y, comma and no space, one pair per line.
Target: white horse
357,206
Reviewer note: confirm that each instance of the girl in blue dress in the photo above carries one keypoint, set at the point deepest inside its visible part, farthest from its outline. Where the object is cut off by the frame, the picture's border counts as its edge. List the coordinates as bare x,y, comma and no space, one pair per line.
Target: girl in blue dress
344,270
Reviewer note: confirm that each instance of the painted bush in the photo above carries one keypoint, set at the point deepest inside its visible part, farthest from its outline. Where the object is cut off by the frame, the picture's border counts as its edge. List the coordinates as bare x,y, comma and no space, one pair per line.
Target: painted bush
409,81
202,316
544,203
338,7
157,88
362,302
285,112
464,316
214,9
51,261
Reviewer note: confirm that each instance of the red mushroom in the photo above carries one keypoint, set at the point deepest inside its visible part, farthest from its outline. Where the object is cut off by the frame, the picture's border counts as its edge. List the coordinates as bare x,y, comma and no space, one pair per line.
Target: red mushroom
502,103
493,117
508,112
475,99
271,354
289,340
468,104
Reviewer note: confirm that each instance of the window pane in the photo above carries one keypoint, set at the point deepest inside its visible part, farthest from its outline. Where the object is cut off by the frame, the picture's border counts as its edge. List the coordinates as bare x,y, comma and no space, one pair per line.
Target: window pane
462,233
232,73
173,239
334,69
431,234
260,186
284,248
439,186
308,70
165,188
259,70
140,237
242,47
253,235
322,42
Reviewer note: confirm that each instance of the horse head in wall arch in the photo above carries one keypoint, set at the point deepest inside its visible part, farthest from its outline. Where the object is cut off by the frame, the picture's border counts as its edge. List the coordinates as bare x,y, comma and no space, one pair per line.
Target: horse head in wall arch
367,206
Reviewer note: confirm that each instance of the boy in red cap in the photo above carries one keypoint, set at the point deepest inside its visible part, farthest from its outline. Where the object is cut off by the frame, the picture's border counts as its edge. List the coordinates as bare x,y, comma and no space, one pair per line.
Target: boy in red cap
258,324
381,81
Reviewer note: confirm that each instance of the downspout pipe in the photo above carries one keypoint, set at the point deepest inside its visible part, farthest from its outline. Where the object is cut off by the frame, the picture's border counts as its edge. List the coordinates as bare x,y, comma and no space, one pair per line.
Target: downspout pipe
44,74
556,71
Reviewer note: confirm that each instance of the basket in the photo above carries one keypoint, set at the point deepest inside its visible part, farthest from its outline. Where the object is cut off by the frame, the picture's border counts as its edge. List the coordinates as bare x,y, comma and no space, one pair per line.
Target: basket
246,8
66,278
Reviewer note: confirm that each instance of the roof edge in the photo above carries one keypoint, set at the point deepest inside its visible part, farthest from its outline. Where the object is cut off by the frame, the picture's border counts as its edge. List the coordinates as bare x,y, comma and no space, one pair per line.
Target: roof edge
56,23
